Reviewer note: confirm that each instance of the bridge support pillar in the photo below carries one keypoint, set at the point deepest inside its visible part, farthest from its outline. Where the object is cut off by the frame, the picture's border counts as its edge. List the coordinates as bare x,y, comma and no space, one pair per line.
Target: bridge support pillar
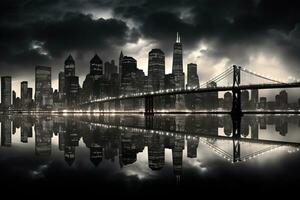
236,102
149,122
149,105
236,135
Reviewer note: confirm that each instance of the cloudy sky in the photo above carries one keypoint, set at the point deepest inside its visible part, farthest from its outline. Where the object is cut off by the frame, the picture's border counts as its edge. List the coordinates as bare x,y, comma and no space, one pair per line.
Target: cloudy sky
263,35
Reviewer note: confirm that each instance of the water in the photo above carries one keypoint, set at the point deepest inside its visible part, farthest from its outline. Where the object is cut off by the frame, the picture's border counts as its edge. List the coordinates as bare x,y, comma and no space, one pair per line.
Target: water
132,153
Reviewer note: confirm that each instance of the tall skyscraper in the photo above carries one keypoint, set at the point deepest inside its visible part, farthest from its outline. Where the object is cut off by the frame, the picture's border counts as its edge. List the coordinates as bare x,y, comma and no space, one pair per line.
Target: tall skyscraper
24,88
177,71
192,76
71,82
192,101
156,69
14,97
61,82
96,66
177,68
110,68
43,89
120,64
254,98
6,91
69,66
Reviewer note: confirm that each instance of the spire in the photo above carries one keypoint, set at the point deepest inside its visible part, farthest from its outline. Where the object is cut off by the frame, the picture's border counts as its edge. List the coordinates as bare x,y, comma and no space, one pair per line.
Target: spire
121,54
177,38
69,60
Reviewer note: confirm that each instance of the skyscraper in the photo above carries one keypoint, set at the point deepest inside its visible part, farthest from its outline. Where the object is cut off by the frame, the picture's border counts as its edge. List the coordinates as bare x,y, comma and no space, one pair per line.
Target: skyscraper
96,66
24,87
109,69
254,98
69,66
120,64
43,89
156,69
6,91
61,82
177,68
192,76
71,82
177,71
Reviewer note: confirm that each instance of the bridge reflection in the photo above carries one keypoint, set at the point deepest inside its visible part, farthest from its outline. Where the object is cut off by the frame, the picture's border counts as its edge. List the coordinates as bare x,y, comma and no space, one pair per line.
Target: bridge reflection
117,136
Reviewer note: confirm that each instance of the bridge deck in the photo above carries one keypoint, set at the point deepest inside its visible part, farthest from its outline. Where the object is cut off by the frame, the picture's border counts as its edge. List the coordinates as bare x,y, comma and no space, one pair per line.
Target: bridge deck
194,91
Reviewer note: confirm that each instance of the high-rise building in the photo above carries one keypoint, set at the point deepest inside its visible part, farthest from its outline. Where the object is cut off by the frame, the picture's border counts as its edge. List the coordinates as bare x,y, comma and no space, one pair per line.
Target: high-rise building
24,88
129,68
245,99
263,102
227,100
96,66
14,97
156,69
110,68
170,100
129,65
156,152
61,82
254,98
6,91
69,66
192,100
192,76
120,64
6,130
43,89
177,68
71,82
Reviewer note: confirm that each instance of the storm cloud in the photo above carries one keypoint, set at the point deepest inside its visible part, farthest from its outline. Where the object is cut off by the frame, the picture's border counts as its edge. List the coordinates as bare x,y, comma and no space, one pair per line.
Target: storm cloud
44,32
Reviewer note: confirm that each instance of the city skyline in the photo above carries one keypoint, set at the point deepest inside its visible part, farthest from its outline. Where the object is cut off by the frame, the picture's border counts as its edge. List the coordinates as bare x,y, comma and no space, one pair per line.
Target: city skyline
220,40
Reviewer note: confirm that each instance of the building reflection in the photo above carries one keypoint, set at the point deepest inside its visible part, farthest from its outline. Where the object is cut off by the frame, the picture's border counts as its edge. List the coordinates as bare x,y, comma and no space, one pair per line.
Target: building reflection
122,138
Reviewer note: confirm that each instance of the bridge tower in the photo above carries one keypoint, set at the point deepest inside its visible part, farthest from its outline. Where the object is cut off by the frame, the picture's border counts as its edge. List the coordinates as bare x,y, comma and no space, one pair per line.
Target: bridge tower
236,92
149,105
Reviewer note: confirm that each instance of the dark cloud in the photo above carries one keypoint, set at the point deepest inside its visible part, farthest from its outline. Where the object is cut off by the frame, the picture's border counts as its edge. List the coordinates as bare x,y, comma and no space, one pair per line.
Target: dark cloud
233,29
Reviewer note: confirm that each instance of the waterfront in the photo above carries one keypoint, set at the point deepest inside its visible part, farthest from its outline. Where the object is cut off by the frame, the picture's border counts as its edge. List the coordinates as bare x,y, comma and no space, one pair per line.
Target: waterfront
133,153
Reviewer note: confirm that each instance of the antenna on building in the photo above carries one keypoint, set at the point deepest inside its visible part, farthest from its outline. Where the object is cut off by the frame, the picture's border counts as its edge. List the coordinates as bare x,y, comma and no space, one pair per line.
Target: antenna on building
178,38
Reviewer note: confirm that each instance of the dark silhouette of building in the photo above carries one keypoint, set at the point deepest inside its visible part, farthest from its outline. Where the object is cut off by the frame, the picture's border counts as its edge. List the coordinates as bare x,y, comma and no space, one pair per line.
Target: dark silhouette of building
110,69
96,67
156,152
170,100
262,102
177,71
254,99
43,136
281,100
6,128
245,99
6,92
71,83
43,89
192,145
227,100
191,100
156,69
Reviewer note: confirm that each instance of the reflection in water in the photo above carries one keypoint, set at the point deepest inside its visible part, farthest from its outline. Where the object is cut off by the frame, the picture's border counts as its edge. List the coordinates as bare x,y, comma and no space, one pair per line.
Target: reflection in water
121,138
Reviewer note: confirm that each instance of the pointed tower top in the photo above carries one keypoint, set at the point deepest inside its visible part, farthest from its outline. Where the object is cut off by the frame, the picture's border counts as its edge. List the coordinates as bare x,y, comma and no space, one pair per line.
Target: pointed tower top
69,60
121,54
96,59
178,38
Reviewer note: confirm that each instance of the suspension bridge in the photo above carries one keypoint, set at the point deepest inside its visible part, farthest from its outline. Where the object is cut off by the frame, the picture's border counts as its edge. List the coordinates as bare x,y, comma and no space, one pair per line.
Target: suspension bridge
232,76
208,140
